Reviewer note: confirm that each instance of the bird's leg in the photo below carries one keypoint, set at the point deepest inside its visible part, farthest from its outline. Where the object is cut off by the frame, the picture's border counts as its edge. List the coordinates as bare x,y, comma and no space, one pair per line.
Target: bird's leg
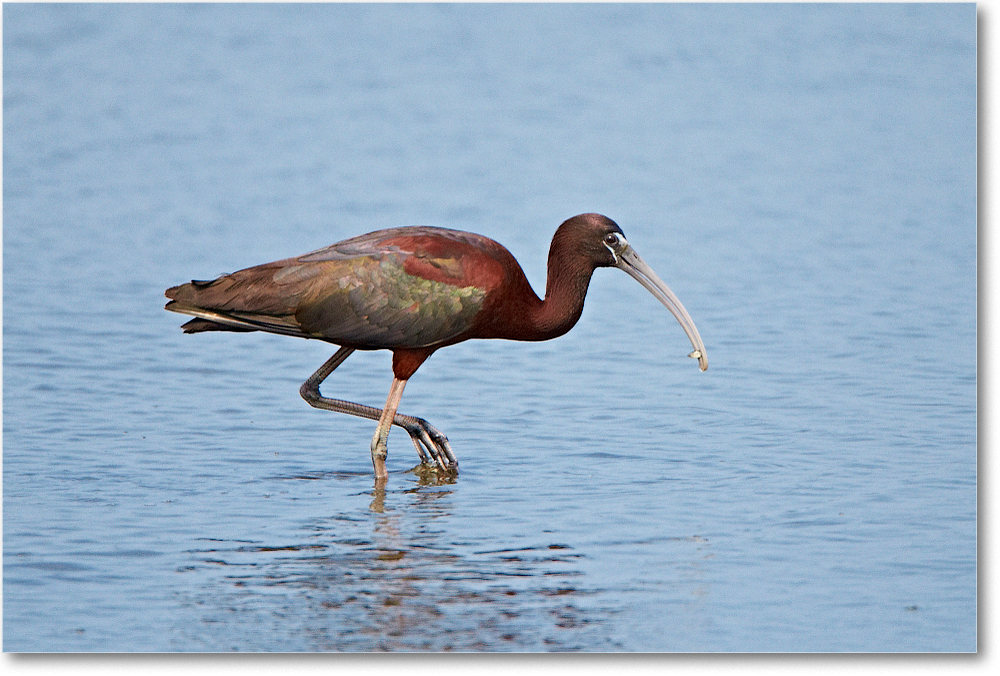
422,433
310,388
379,447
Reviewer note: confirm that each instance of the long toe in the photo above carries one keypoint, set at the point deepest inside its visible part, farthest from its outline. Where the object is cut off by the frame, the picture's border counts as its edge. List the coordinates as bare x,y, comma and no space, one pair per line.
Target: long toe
450,462
431,445
422,448
435,448
443,453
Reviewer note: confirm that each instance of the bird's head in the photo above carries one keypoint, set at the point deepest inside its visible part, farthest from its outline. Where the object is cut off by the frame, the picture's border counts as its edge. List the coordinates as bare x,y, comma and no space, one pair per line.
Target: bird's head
605,244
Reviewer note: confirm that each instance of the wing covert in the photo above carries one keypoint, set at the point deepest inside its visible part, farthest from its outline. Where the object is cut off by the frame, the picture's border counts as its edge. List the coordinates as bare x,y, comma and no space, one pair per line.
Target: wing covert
373,302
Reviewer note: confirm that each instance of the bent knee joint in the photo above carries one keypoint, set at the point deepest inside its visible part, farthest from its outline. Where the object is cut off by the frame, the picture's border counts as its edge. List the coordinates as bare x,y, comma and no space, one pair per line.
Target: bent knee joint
310,392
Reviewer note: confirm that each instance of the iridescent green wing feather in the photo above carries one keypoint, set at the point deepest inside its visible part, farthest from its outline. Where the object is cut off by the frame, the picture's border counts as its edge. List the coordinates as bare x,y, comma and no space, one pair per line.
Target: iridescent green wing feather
364,296
370,302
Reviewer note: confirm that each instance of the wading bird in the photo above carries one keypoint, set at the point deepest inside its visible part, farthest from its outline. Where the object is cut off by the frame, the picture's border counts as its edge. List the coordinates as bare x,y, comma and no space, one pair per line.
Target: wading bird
413,290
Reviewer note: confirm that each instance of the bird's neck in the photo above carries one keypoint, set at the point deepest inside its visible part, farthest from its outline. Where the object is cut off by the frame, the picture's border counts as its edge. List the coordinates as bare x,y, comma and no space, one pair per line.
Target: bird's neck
565,290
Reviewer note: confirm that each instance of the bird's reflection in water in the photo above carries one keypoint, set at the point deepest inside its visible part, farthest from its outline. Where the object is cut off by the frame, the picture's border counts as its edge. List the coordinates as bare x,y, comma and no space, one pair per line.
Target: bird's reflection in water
428,476
392,579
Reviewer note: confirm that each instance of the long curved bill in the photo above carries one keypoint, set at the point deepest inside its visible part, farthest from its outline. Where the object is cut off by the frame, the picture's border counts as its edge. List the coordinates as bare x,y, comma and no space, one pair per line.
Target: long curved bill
629,261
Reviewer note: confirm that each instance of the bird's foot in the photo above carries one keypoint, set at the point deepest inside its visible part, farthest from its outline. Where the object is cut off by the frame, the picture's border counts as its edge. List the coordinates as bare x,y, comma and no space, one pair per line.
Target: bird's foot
432,446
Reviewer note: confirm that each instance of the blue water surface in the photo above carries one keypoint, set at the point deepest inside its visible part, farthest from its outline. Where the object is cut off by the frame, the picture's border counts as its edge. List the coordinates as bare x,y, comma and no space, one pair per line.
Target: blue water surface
802,176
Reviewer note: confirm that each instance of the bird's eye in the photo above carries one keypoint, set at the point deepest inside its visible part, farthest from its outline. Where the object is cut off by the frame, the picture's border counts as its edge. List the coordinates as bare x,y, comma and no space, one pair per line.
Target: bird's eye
612,239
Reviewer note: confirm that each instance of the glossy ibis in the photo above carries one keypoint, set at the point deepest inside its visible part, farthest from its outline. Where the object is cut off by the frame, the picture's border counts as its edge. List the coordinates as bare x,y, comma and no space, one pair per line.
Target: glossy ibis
414,290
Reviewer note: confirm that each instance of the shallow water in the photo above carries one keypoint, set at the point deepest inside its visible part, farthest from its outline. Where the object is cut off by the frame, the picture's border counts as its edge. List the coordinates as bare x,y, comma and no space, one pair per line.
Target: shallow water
802,176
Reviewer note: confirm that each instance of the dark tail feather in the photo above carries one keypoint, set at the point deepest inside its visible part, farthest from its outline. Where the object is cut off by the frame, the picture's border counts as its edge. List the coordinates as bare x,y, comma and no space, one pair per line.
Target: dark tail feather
238,302
199,325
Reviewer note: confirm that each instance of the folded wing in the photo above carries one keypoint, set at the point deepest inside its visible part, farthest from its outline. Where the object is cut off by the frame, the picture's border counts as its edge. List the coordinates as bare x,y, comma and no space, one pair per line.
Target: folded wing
404,287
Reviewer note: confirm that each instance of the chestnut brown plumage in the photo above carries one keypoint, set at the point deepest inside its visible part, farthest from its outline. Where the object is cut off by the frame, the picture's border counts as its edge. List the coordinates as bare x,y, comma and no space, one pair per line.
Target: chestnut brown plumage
412,291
